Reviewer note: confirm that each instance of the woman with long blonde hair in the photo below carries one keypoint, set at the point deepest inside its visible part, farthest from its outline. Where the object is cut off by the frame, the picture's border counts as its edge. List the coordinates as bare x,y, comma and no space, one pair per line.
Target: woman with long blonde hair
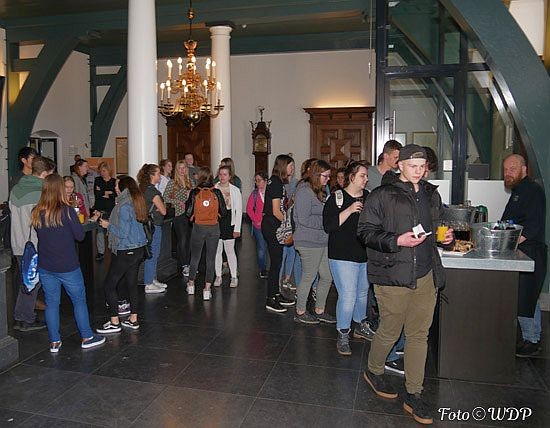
57,227
176,193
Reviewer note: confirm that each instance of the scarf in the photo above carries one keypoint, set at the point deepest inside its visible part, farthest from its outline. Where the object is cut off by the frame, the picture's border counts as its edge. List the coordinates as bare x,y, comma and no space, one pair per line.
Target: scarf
123,198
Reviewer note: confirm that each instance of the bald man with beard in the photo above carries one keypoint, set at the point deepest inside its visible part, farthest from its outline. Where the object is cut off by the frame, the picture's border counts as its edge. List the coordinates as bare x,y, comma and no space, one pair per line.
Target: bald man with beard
527,207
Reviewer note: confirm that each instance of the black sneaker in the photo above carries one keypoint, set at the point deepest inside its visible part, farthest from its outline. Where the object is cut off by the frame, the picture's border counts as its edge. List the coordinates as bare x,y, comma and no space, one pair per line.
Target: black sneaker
380,385
98,257
284,301
306,318
272,304
134,325
363,331
25,326
417,407
109,327
396,366
342,343
326,318
529,349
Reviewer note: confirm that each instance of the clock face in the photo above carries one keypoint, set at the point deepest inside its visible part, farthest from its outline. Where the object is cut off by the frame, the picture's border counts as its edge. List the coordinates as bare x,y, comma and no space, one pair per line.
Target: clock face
260,144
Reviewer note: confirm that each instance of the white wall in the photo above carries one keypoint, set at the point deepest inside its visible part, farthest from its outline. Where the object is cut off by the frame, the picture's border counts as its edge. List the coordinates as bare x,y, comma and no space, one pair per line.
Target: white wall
529,14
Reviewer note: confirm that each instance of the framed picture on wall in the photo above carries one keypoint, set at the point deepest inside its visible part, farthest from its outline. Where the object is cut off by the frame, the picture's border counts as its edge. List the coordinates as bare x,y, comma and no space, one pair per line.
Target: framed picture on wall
121,153
428,139
401,137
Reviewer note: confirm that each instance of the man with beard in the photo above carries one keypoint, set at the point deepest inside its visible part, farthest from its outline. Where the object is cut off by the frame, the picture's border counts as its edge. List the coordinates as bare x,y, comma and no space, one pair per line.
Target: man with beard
527,207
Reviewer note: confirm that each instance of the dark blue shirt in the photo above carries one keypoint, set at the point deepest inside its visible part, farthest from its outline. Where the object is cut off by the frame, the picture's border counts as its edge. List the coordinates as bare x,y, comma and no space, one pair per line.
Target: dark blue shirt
56,246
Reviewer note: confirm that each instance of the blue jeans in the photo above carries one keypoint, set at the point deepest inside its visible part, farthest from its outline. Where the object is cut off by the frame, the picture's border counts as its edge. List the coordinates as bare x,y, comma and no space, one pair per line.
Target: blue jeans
352,284
261,248
531,327
73,282
150,267
292,265
399,346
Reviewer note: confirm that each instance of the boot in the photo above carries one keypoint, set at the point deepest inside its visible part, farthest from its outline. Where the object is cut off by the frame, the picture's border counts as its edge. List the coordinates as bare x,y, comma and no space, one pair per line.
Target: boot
342,344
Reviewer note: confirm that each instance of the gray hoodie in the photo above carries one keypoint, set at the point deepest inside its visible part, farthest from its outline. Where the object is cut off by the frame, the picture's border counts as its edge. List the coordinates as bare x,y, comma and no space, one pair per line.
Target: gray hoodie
308,216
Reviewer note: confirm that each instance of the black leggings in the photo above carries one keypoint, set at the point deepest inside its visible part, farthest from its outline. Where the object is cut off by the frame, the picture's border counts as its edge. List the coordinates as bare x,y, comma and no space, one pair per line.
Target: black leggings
201,235
182,227
124,269
275,256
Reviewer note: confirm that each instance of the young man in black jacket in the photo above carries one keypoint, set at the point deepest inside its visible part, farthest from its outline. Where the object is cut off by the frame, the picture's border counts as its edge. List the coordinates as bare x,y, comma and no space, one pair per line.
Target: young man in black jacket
406,271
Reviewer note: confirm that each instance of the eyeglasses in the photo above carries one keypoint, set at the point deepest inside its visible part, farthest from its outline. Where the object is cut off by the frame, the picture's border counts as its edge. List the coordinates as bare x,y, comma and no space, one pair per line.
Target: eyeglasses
325,175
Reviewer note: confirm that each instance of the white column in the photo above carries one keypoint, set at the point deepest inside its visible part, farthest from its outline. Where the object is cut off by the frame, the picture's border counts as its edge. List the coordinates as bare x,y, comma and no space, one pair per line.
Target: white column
220,127
142,79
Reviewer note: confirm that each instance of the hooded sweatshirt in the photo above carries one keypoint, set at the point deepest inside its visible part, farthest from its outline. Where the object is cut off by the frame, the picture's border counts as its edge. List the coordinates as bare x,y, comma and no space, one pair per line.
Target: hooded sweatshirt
23,197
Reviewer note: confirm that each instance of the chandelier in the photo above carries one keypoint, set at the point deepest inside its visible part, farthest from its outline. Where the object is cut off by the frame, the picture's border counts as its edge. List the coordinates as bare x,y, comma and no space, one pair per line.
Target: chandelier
189,95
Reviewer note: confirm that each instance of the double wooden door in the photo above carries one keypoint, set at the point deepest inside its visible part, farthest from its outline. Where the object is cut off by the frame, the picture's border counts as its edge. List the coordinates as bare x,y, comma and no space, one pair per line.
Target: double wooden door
340,135
182,139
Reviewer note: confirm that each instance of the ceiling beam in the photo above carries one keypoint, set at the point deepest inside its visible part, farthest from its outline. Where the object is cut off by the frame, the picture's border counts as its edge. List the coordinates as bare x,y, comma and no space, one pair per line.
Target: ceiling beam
238,11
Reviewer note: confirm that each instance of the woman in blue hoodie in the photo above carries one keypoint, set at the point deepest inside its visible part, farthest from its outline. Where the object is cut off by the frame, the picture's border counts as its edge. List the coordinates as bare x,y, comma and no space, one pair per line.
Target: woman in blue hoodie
126,241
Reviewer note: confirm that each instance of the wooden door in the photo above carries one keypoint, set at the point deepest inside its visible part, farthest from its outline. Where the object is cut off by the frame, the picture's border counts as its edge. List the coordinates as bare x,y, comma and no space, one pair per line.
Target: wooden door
338,135
181,140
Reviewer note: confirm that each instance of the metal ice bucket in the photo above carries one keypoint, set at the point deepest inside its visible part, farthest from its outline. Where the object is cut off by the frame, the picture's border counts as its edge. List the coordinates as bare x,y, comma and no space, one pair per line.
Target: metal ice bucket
495,243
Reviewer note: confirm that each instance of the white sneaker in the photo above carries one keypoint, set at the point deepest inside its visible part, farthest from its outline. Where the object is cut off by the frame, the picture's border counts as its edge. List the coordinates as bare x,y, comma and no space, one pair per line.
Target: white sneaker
218,281
160,284
234,282
206,294
190,288
153,289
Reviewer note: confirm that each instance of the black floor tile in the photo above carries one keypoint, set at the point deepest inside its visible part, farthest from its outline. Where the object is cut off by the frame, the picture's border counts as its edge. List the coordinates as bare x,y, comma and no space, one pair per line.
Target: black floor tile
179,337
104,401
225,374
378,420
469,396
73,358
311,385
183,407
252,344
274,414
41,421
30,388
12,418
321,352
146,364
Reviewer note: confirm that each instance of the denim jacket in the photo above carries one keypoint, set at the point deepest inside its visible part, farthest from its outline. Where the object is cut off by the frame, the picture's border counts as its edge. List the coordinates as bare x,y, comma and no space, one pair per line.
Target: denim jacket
127,229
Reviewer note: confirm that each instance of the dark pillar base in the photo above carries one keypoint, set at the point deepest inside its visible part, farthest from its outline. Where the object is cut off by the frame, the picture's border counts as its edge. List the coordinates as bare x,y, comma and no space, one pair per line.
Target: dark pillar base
9,347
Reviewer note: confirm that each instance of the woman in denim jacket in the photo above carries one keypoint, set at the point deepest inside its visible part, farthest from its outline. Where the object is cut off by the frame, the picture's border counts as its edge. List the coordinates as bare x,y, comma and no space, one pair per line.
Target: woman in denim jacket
126,241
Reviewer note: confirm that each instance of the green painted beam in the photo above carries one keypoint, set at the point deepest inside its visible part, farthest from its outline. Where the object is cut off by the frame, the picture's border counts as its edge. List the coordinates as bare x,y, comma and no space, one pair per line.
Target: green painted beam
24,104
103,121
103,79
26,64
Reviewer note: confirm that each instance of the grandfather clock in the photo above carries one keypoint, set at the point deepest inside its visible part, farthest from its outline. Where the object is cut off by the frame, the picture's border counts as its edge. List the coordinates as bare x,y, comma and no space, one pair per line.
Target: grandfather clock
261,142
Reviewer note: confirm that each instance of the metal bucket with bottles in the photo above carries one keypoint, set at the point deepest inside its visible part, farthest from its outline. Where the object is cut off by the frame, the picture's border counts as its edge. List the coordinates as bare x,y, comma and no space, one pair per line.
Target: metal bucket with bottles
496,240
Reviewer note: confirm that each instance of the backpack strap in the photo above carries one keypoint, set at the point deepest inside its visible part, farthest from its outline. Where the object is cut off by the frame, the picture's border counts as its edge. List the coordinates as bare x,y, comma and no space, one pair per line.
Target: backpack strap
339,198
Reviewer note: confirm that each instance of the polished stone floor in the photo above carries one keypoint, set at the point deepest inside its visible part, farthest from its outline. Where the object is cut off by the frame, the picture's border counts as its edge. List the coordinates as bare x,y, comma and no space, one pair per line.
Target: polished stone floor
228,363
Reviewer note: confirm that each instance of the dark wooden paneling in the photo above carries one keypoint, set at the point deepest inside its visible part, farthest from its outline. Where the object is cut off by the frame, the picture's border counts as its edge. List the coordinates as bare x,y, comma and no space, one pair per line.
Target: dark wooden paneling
181,140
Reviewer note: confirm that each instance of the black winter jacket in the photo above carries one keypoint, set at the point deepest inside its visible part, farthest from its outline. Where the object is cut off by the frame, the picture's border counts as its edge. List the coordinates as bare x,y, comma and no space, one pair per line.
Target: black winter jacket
390,211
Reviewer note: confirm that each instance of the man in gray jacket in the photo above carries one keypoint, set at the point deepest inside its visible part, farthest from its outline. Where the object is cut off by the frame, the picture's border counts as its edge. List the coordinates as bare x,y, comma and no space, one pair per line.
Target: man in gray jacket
23,197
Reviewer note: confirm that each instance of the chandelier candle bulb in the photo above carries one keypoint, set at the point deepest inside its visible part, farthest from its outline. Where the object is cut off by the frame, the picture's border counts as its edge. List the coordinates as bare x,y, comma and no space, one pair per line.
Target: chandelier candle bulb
180,66
161,92
213,69
169,65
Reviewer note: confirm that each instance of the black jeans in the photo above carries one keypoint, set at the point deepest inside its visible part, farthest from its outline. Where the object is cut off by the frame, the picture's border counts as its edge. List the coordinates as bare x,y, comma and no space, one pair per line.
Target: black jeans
124,270
182,227
209,235
275,256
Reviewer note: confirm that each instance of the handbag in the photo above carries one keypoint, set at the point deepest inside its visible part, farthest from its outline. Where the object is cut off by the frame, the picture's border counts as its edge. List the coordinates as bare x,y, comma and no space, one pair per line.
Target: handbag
149,229
284,232
170,211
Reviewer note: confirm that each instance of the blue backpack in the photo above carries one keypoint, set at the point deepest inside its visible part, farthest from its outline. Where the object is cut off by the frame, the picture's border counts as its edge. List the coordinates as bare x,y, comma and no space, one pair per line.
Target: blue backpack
29,266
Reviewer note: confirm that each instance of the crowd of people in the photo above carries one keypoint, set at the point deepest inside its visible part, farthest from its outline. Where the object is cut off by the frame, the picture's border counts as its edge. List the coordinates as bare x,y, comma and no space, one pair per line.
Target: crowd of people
352,234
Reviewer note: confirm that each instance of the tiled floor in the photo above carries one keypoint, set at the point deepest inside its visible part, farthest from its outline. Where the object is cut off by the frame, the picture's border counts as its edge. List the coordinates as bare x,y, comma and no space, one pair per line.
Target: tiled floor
228,363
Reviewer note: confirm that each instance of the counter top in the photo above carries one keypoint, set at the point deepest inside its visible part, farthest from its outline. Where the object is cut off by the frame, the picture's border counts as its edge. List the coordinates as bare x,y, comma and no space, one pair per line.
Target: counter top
519,262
